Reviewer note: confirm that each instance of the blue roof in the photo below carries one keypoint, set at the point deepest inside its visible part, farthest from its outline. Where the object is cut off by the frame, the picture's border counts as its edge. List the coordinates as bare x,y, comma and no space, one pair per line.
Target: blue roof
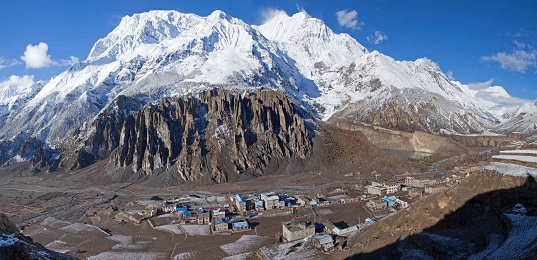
222,220
390,202
240,224
238,197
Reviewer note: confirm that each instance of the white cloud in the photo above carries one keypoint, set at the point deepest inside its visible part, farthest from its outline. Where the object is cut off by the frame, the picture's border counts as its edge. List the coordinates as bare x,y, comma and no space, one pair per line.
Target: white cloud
4,63
348,19
449,75
377,38
36,57
301,9
14,80
495,98
522,57
68,62
269,13
478,86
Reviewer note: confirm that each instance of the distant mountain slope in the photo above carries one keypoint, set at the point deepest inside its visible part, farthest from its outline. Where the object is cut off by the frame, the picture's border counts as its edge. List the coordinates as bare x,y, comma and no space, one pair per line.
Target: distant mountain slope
523,119
159,54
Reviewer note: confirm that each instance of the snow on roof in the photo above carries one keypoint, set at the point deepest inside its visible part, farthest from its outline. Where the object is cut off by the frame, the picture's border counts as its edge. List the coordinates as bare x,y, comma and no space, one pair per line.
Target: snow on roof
324,238
343,231
272,198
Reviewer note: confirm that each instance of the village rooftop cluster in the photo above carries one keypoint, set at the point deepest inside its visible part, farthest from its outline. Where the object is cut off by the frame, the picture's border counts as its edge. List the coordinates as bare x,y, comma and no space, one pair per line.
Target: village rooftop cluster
232,214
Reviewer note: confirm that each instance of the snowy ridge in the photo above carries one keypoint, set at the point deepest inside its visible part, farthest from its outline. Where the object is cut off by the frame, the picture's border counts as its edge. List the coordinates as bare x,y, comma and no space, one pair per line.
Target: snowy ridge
165,53
523,119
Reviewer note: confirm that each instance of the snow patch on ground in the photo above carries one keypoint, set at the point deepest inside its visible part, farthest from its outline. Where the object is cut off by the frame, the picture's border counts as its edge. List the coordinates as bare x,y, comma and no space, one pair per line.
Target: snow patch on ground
121,239
522,240
150,203
197,230
78,227
323,211
245,244
521,158
238,257
125,242
58,246
520,151
512,169
174,228
128,255
186,256
289,251
495,240
54,222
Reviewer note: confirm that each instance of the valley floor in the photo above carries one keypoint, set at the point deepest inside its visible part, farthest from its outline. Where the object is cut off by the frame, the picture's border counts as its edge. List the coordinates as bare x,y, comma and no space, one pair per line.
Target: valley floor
78,213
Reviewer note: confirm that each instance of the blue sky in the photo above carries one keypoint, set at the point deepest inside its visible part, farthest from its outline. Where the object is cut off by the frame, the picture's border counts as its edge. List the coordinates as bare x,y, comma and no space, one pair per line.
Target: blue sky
474,41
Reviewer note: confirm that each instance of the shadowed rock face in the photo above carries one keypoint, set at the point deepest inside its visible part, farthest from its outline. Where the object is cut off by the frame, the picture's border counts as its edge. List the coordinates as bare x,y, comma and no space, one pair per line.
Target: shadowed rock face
215,134
14,245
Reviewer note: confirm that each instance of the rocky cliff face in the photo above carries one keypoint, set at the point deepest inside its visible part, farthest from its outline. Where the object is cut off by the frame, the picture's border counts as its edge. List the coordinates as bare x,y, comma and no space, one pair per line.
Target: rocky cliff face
215,136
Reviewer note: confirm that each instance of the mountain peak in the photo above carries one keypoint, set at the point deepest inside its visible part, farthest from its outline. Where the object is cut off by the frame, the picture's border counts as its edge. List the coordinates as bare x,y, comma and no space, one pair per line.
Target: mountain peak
218,14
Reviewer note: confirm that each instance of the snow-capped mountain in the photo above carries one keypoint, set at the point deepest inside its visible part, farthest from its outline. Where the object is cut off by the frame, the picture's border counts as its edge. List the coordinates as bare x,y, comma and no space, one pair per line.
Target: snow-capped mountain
151,55
166,53
523,119
15,92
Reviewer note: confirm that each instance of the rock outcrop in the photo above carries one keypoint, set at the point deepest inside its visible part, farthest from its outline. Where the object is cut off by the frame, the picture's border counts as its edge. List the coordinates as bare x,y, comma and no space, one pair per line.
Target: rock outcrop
214,136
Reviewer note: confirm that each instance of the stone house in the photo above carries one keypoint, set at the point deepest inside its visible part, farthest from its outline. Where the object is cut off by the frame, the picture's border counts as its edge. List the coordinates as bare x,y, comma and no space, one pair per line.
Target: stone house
292,231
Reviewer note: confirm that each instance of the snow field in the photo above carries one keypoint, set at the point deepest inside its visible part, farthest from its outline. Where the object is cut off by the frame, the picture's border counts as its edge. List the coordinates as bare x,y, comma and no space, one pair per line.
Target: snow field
245,244
521,240
197,230
128,255
531,159
512,169
174,228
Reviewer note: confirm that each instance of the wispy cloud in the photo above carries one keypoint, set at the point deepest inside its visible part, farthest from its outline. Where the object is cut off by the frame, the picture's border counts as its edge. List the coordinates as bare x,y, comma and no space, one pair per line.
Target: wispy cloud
349,19
4,63
68,62
498,101
37,57
522,57
449,75
377,38
268,13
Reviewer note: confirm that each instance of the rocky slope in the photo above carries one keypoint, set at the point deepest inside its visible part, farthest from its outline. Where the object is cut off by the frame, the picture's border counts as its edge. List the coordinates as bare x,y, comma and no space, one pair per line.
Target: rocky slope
215,136
14,245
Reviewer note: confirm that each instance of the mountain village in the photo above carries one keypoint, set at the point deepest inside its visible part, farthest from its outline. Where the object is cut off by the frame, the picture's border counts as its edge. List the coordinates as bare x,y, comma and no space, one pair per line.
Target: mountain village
239,213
